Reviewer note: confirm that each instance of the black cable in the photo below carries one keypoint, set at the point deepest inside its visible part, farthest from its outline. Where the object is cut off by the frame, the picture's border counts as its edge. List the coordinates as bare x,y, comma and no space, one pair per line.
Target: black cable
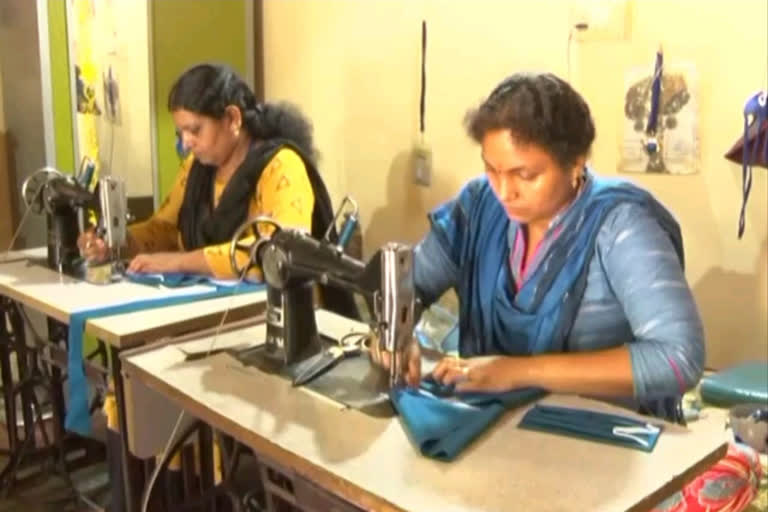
422,100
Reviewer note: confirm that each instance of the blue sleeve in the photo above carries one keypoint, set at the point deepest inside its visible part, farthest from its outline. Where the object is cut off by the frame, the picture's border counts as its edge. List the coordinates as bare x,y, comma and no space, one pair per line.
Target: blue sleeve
438,257
433,271
647,278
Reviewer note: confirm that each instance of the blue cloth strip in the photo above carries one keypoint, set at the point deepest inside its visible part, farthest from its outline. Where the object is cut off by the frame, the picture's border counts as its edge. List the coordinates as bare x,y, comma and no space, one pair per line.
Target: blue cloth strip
168,279
78,418
593,426
441,423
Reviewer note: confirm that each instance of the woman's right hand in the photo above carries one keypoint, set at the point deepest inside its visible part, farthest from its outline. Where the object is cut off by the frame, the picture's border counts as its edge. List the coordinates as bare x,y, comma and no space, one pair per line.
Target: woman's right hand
92,247
410,364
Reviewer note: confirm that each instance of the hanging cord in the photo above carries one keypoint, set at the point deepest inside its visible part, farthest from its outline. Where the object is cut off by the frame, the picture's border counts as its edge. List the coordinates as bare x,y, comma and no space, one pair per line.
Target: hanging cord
653,117
172,437
423,94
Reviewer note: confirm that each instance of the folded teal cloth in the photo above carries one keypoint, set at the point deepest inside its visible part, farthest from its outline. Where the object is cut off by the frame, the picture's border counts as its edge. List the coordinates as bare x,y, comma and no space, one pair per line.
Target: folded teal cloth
78,417
442,423
169,279
744,383
593,426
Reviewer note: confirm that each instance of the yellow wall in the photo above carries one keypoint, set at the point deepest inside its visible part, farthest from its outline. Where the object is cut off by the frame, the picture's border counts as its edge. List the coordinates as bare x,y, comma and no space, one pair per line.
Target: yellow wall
354,68
728,43
121,40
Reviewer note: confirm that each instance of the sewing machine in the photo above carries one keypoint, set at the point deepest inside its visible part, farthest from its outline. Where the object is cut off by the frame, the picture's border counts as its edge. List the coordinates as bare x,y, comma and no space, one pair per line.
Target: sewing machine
66,201
292,260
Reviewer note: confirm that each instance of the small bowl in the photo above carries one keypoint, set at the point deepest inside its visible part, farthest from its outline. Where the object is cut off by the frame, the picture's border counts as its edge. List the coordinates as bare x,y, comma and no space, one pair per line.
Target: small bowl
750,425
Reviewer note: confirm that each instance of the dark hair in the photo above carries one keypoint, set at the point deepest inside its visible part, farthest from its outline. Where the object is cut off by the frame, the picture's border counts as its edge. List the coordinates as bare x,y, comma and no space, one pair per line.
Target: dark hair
208,89
537,108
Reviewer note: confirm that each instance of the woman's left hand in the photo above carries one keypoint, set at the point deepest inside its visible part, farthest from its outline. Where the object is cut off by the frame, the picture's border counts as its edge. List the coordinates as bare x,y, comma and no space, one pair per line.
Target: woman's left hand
155,263
485,374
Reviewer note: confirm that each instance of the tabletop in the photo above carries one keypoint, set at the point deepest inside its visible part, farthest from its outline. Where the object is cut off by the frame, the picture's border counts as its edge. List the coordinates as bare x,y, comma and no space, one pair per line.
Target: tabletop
370,461
58,296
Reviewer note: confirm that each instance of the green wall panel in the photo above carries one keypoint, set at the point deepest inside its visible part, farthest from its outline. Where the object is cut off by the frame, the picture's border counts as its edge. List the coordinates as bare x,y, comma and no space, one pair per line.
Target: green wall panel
184,33
61,95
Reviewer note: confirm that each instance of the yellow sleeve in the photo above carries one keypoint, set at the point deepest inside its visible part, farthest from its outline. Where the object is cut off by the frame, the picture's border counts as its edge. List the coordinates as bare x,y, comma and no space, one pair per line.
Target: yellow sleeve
283,193
160,232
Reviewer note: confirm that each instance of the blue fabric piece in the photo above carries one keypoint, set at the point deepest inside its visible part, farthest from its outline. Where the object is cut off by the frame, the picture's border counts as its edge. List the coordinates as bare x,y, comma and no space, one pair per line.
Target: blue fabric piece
441,423
593,426
78,417
168,279
756,108
494,318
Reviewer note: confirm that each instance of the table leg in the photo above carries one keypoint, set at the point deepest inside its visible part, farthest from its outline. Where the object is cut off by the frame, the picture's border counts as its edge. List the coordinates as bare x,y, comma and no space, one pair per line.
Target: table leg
57,334
9,401
6,376
132,468
24,357
207,478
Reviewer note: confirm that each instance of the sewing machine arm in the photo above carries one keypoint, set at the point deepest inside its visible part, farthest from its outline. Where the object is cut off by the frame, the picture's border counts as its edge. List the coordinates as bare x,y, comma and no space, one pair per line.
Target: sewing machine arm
290,259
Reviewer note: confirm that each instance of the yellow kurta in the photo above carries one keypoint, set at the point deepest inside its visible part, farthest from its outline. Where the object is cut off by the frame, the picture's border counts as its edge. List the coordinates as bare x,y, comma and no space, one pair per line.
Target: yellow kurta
283,193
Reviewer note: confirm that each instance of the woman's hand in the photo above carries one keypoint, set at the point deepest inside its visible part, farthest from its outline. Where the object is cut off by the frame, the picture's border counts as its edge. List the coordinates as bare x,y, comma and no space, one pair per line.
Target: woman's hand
410,365
484,374
92,247
156,263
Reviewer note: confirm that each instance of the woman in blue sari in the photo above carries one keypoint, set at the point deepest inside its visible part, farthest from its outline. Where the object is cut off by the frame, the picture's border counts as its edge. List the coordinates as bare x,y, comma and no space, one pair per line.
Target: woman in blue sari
567,281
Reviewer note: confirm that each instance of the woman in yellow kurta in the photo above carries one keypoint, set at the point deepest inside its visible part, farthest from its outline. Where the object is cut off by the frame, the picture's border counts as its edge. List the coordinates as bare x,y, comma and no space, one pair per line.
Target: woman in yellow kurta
246,159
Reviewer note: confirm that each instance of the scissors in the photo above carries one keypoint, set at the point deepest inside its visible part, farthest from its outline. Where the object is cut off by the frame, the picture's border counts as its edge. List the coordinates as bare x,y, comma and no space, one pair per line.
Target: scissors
349,345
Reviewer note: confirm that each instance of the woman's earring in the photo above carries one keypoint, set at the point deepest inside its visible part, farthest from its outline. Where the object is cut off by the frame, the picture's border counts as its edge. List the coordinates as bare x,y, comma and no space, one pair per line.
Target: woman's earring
236,131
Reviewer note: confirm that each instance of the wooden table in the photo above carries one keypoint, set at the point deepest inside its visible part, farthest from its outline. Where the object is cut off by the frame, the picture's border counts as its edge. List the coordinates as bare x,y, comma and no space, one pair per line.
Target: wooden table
370,464
58,296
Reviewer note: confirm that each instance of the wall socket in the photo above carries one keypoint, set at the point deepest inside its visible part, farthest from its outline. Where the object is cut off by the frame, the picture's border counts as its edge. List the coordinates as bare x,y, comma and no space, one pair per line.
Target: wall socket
607,20
422,166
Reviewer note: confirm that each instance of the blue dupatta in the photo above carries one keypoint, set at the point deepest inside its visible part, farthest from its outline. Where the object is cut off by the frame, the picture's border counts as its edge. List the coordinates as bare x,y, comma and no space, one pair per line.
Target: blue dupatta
494,318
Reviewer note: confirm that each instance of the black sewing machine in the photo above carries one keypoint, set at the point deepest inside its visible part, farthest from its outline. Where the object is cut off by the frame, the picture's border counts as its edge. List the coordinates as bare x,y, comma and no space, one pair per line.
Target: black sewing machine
291,261
65,201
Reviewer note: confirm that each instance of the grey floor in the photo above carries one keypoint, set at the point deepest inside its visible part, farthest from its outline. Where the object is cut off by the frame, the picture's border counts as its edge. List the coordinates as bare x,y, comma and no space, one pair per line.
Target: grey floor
52,493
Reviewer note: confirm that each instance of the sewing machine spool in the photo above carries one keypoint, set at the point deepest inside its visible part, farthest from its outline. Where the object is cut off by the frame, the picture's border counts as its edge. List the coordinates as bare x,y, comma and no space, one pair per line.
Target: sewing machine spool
101,273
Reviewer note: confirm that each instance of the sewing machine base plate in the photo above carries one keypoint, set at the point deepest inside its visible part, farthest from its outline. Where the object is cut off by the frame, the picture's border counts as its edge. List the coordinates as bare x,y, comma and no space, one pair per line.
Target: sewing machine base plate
353,381
104,273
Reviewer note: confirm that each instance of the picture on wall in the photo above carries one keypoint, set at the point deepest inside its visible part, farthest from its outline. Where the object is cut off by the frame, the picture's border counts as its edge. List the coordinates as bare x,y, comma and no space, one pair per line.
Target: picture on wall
111,95
660,120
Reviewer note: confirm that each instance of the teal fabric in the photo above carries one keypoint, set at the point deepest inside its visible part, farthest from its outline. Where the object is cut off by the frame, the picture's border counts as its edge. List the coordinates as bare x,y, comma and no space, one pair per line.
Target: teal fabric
169,279
78,415
441,423
591,425
744,383
497,317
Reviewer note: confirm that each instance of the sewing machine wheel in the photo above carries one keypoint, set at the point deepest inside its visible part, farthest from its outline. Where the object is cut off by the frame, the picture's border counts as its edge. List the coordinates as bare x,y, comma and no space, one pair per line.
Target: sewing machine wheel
248,238
31,189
